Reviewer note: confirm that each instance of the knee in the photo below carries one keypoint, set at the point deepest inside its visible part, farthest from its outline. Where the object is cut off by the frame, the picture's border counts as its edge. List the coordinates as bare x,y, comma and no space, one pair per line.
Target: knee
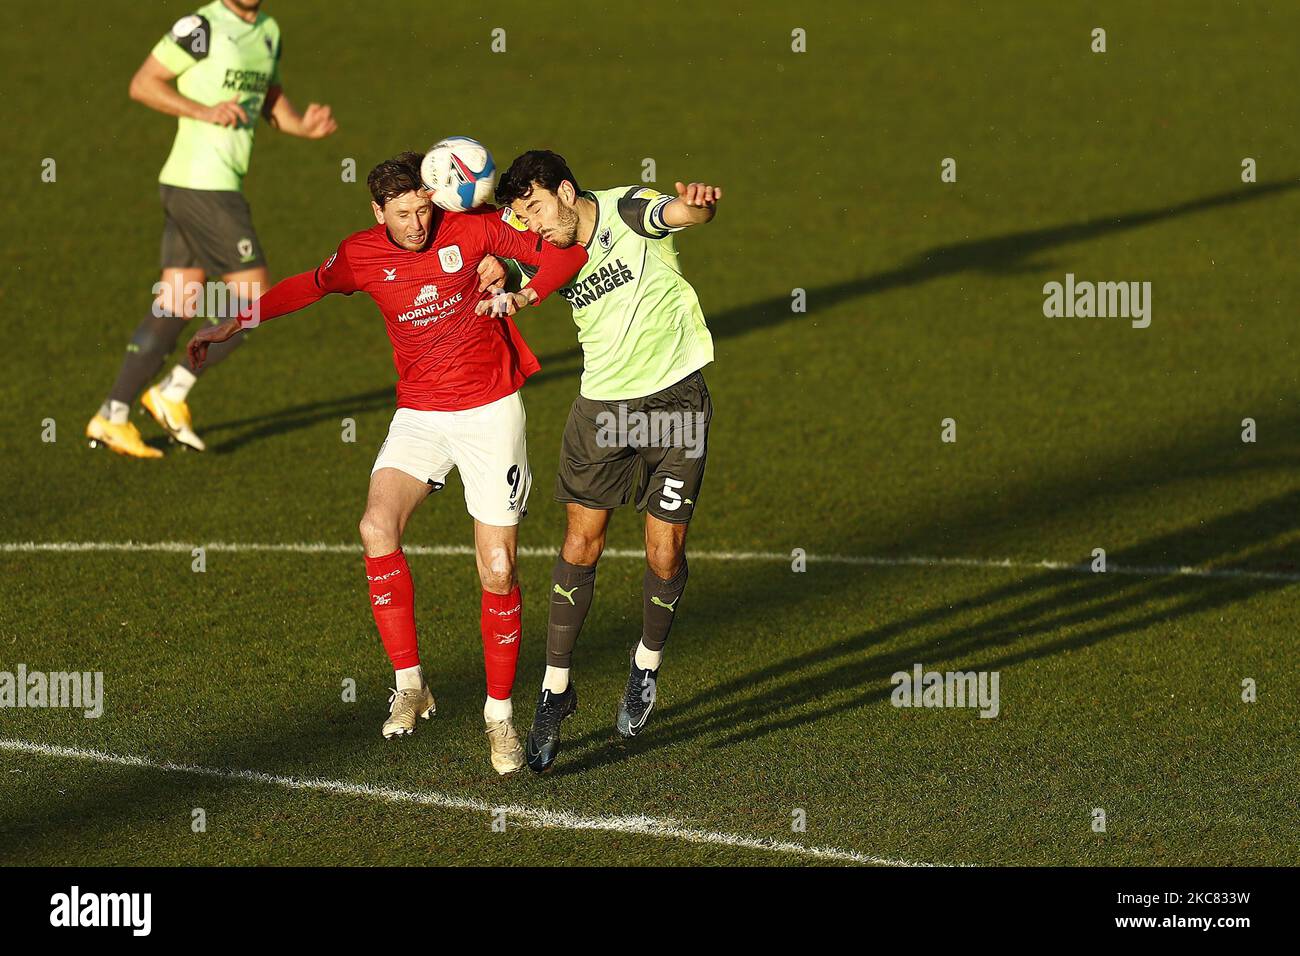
496,571
175,301
665,558
582,549
379,533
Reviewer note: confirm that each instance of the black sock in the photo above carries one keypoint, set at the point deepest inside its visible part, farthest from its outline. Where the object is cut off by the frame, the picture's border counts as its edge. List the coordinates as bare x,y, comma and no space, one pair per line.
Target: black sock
659,606
153,341
572,586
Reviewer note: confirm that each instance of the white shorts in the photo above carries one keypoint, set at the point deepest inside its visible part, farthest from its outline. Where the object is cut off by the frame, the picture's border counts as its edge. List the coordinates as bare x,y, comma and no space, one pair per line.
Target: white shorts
486,444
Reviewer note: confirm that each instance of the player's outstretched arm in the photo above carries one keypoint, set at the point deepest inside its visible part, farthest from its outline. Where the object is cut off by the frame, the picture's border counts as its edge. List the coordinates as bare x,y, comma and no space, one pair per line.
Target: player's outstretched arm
287,295
695,204
317,123
152,86
197,349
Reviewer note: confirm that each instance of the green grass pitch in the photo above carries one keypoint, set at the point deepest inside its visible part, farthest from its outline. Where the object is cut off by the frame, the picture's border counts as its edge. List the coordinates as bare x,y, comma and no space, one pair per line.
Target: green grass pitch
1118,691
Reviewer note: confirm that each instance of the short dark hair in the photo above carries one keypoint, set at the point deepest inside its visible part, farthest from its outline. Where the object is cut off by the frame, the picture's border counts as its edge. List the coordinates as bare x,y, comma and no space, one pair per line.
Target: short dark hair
395,177
537,167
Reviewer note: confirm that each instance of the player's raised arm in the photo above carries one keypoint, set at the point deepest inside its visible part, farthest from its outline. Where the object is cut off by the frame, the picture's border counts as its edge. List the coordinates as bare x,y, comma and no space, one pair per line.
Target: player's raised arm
651,214
696,203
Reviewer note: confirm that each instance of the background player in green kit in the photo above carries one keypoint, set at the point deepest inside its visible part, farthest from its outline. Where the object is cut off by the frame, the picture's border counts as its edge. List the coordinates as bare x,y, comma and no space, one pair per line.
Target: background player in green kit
225,59
640,423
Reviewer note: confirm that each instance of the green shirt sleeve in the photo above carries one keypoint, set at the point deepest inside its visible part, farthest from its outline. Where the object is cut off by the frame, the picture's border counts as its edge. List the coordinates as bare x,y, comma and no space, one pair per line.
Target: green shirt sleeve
188,42
642,209
170,55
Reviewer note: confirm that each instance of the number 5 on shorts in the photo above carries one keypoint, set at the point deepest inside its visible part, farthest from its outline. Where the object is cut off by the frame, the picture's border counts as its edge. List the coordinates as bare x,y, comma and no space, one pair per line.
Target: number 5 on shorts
671,500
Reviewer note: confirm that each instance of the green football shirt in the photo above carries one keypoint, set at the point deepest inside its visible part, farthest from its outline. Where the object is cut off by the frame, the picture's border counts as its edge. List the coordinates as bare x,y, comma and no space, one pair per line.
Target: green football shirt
216,55
639,321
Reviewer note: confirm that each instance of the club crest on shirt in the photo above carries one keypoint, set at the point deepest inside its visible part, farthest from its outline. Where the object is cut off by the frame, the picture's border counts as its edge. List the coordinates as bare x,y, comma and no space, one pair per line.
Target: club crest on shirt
449,257
606,239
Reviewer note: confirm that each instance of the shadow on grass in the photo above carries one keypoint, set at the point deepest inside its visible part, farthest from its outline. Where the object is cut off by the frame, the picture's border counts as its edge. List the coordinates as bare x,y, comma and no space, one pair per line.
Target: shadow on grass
1016,623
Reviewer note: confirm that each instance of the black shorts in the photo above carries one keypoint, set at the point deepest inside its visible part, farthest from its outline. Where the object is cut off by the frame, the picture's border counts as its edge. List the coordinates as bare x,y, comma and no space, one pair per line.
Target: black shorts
656,445
208,229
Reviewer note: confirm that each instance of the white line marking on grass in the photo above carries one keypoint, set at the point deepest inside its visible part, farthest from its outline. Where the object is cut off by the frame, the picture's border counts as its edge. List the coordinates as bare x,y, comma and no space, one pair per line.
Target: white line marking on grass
461,550
527,816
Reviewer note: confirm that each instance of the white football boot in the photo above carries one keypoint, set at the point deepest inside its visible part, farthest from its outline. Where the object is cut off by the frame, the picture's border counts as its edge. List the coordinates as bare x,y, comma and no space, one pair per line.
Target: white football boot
403,709
507,754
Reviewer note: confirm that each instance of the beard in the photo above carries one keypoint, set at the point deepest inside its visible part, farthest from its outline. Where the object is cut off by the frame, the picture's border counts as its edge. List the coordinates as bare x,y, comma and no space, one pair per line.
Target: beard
565,233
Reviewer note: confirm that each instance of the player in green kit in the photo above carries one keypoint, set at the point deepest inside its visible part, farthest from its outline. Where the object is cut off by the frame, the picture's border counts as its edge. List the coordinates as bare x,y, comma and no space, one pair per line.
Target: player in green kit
225,61
640,423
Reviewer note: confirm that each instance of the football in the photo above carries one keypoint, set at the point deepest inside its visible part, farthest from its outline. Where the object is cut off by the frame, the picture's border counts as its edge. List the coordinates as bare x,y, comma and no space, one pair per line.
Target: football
459,173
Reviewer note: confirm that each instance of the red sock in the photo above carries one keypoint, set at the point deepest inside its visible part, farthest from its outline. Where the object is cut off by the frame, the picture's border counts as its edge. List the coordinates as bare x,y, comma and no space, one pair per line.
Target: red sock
500,625
392,601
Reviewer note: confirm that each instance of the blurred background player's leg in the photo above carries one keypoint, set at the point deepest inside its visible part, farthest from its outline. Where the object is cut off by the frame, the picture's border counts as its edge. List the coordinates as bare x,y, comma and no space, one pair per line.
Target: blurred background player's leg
168,400
153,341
217,226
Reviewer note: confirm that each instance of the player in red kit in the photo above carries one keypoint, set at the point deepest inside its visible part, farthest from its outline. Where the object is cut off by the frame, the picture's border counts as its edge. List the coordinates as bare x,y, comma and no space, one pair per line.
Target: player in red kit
458,406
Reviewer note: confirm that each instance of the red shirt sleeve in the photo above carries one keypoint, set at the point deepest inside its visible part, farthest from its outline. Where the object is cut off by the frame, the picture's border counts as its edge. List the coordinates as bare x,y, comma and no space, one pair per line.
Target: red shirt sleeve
299,291
555,267
335,273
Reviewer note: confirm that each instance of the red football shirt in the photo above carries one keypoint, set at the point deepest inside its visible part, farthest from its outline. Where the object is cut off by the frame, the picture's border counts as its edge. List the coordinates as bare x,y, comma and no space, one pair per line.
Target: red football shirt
447,358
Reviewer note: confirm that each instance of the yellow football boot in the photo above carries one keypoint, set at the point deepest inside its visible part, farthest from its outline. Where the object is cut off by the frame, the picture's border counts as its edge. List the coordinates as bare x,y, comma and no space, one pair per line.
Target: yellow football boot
124,438
174,417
